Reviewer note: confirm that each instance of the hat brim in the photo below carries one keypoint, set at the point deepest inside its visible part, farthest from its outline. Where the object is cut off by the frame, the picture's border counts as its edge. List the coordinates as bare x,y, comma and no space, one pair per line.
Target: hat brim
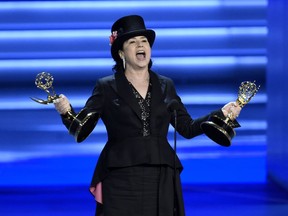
118,43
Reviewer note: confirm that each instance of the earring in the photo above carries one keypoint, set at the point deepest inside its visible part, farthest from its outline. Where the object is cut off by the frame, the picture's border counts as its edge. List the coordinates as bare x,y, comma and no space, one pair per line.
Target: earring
124,62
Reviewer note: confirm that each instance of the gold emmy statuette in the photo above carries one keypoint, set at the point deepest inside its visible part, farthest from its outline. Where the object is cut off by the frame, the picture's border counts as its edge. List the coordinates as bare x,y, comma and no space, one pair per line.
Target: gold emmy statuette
221,130
82,124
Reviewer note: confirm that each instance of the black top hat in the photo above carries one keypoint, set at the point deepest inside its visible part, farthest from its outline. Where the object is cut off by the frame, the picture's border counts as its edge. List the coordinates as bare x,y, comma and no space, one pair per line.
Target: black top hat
125,28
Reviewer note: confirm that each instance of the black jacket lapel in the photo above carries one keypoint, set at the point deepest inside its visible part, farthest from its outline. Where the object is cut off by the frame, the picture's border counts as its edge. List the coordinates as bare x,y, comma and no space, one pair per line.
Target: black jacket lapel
157,90
123,89
157,99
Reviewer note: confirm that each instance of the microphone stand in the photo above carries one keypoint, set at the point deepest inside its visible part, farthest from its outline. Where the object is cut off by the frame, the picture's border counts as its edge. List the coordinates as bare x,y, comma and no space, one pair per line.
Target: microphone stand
175,156
174,106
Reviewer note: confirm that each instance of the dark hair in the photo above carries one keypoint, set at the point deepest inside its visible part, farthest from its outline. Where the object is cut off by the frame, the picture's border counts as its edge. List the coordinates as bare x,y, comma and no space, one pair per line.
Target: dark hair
118,67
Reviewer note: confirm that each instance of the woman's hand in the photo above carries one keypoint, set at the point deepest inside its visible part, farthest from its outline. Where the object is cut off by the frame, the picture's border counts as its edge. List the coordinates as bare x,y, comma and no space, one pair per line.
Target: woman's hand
231,110
62,104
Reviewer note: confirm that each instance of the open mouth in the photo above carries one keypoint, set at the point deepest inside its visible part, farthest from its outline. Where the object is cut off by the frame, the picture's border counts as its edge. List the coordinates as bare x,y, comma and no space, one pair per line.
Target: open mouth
141,55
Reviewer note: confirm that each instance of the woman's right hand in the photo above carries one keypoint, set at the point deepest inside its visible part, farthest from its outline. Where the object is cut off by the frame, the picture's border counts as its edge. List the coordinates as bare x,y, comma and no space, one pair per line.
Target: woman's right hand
62,104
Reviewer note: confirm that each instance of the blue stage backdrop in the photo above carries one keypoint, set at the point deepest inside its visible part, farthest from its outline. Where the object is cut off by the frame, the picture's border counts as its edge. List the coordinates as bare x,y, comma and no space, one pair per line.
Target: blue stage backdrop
207,47
277,79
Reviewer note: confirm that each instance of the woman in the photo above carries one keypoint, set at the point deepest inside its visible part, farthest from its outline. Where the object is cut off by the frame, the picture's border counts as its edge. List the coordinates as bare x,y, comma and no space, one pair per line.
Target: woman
135,171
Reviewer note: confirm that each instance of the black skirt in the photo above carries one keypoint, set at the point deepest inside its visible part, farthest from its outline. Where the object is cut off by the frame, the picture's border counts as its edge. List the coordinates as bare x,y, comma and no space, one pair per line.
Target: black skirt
140,191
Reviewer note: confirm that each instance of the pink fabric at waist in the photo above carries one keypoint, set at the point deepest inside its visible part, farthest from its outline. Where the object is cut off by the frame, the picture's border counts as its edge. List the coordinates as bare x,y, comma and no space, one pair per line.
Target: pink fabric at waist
97,192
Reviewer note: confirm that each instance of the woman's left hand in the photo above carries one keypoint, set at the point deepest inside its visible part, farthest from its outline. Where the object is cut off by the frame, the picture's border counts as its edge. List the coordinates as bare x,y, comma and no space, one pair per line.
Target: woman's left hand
231,110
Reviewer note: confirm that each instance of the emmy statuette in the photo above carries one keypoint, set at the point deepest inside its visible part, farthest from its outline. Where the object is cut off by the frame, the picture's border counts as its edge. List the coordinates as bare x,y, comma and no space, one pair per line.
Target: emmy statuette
82,124
221,130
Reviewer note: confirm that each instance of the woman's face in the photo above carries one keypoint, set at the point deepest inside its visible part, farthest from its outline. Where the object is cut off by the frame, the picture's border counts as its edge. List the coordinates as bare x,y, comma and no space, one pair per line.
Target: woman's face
137,52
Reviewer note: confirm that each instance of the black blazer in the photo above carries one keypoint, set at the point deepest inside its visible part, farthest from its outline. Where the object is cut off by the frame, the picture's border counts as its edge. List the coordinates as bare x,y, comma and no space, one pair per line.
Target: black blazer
115,102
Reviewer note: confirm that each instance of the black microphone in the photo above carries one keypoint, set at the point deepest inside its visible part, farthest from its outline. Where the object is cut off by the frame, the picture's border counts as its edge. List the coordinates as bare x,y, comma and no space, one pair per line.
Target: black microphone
173,106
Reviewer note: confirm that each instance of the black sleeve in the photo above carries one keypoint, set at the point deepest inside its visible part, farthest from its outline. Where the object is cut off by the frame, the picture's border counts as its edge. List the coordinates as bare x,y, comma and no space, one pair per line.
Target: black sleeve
93,104
186,125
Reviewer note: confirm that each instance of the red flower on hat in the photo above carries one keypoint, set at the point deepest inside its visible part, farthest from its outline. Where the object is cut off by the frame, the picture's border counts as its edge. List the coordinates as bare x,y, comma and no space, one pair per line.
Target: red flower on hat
113,37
